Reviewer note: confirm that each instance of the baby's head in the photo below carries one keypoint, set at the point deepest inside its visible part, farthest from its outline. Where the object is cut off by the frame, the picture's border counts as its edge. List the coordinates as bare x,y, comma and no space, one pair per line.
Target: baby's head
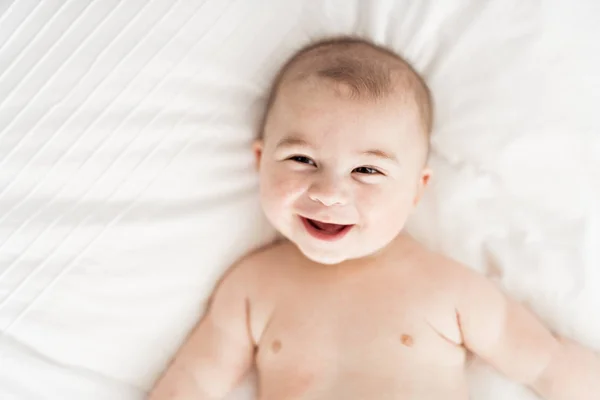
343,148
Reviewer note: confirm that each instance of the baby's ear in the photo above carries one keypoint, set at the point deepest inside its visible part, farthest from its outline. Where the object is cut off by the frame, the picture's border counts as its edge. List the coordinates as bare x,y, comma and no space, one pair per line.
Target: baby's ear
423,182
257,148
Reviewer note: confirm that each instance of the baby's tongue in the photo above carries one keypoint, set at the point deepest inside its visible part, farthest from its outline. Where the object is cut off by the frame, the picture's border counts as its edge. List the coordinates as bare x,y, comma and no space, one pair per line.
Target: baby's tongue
329,228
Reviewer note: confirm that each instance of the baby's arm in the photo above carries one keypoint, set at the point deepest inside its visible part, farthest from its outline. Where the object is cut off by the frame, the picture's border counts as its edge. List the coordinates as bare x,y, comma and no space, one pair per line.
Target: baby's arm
514,341
217,353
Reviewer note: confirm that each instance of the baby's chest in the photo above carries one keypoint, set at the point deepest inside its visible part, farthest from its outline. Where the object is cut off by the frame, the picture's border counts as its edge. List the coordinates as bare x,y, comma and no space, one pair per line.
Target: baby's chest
385,330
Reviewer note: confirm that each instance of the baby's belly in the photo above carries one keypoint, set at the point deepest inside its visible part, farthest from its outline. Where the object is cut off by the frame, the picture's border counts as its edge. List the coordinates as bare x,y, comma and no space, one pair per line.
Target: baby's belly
432,384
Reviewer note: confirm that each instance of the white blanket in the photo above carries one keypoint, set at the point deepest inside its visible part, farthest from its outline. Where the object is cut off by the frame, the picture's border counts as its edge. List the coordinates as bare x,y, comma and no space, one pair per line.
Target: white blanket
127,184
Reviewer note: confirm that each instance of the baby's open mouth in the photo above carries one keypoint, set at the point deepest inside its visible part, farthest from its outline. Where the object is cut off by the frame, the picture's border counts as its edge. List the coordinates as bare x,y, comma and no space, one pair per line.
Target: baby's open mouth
325,227
324,230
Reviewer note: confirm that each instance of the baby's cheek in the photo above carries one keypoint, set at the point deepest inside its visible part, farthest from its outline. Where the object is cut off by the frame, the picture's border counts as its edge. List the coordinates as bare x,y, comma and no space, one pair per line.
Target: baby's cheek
281,190
385,205
368,199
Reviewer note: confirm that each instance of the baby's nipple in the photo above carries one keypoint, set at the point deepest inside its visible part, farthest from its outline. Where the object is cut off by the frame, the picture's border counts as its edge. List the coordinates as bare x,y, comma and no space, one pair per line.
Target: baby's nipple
276,346
407,340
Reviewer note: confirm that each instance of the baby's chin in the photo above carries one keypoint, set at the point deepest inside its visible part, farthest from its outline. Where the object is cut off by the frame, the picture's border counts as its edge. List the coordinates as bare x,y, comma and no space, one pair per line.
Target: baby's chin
325,259
331,257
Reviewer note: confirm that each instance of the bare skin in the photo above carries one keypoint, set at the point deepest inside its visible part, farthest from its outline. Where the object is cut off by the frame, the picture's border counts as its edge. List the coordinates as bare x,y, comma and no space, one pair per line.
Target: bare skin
349,307
396,325
377,325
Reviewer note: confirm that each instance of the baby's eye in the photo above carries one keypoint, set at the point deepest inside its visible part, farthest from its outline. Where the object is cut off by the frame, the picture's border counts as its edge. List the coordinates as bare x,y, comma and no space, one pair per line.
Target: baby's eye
303,160
367,171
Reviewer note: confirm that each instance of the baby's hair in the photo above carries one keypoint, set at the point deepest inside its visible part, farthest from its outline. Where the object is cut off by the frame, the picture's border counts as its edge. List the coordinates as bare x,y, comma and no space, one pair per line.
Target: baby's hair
366,69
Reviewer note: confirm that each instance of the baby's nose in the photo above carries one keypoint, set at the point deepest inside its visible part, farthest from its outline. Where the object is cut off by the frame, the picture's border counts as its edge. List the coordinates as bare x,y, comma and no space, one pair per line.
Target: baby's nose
328,191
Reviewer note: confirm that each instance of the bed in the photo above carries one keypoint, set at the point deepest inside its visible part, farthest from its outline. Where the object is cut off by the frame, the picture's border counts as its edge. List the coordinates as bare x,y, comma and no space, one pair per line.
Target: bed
127,184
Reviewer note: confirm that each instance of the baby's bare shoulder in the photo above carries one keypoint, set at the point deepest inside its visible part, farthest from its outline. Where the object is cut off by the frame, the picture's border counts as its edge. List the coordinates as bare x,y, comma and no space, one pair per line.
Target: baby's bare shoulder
414,252
447,274
260,266
448,288
268,257
260,277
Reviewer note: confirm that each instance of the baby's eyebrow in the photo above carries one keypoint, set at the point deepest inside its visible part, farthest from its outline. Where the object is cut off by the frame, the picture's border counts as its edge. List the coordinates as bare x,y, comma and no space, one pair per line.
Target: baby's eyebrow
381,154
292,141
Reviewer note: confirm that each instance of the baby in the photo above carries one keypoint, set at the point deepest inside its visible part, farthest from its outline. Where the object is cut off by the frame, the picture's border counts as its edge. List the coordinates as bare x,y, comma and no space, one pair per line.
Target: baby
349,306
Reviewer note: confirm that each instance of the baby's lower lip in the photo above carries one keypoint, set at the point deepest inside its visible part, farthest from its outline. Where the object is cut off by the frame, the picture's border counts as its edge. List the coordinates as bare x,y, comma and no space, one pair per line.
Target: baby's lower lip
327,236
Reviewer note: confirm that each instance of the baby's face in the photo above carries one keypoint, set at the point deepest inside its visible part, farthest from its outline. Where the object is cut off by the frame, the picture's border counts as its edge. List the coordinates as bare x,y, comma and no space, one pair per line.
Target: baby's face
340,176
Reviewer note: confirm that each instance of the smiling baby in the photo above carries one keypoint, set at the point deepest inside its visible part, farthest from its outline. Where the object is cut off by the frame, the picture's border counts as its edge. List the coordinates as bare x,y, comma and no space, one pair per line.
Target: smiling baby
349,306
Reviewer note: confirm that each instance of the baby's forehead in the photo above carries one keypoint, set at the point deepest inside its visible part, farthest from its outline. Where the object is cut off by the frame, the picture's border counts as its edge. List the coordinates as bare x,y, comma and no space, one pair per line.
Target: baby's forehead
314,110
318,105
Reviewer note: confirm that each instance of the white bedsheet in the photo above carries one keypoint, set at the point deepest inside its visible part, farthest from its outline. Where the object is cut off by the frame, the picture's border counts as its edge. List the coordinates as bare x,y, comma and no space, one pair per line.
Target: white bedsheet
127,184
